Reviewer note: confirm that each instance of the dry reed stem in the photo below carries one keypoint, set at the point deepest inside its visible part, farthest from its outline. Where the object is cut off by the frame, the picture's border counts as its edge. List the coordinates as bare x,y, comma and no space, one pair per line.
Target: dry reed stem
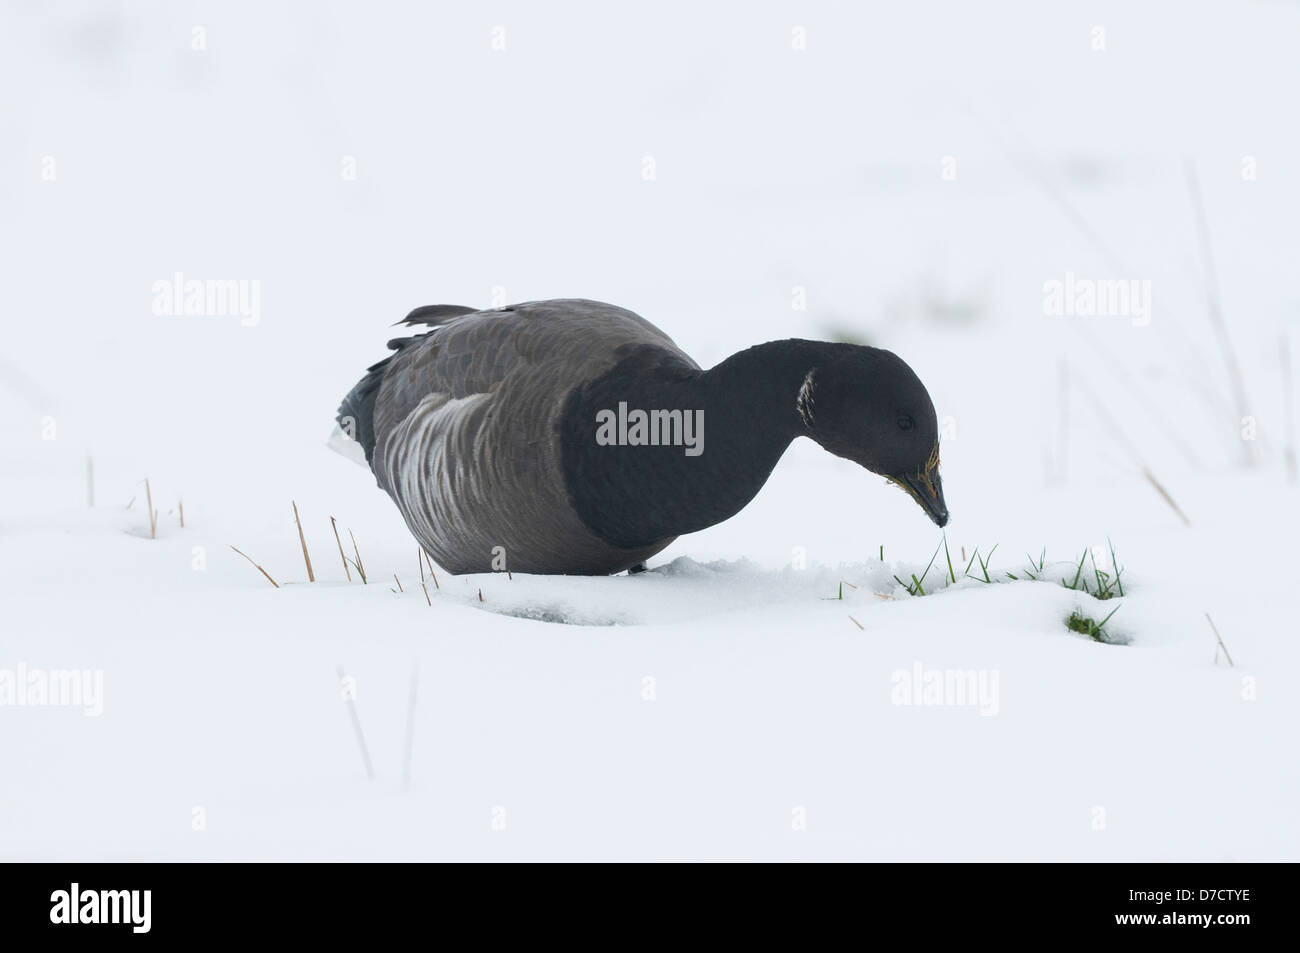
1165,493
153,514
409,747
335,527
1219,639
1215,308
311,576
1118,432
356,727
361,567
259,568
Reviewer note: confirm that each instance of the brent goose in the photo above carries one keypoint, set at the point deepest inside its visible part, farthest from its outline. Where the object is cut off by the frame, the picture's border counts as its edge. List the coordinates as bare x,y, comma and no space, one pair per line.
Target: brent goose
571,436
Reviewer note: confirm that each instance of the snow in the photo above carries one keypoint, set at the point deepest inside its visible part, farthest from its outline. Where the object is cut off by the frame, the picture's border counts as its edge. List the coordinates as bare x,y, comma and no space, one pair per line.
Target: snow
726,704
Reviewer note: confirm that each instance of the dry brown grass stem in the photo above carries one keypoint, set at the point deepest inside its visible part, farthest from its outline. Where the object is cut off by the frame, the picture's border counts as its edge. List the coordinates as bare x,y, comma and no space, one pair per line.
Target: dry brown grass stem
311,576
153,514
335,527
361,567
259,568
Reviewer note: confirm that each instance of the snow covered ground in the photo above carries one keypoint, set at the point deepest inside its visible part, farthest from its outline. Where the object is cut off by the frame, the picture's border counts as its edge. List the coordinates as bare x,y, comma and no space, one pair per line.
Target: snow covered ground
727,704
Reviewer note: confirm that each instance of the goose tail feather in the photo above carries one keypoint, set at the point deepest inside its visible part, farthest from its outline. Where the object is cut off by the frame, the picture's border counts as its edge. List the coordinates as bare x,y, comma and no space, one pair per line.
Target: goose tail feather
354,436
356,416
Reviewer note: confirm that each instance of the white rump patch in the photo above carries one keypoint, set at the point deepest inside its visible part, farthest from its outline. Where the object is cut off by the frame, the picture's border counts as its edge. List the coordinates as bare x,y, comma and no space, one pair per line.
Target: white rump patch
341,443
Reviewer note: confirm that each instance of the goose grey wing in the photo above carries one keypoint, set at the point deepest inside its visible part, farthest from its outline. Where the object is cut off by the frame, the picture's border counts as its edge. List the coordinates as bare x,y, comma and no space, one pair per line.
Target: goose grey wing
537,346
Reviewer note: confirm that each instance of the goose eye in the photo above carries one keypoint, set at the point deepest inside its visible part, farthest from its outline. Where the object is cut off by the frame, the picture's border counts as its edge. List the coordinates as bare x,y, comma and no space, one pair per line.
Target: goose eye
905,423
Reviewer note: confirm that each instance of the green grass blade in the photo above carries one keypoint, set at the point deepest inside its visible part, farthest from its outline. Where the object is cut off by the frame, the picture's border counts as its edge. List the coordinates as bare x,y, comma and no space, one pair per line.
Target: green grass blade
1114,563
984,563
930,565
1078,572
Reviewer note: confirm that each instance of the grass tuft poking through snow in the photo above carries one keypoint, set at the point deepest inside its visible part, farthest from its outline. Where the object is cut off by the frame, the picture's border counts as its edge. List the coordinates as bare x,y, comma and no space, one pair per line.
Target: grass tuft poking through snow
1078,622
840,597
1083,575
1107,586
984,564
916,588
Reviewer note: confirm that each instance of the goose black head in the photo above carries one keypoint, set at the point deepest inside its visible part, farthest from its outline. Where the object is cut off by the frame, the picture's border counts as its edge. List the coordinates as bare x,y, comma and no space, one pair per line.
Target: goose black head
868,406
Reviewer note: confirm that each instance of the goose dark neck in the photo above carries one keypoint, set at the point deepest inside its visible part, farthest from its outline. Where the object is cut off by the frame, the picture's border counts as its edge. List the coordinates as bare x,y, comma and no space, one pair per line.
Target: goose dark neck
632,494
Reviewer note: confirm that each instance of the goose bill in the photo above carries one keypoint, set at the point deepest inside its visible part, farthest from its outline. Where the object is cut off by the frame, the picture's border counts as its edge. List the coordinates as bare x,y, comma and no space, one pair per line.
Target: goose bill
928,491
